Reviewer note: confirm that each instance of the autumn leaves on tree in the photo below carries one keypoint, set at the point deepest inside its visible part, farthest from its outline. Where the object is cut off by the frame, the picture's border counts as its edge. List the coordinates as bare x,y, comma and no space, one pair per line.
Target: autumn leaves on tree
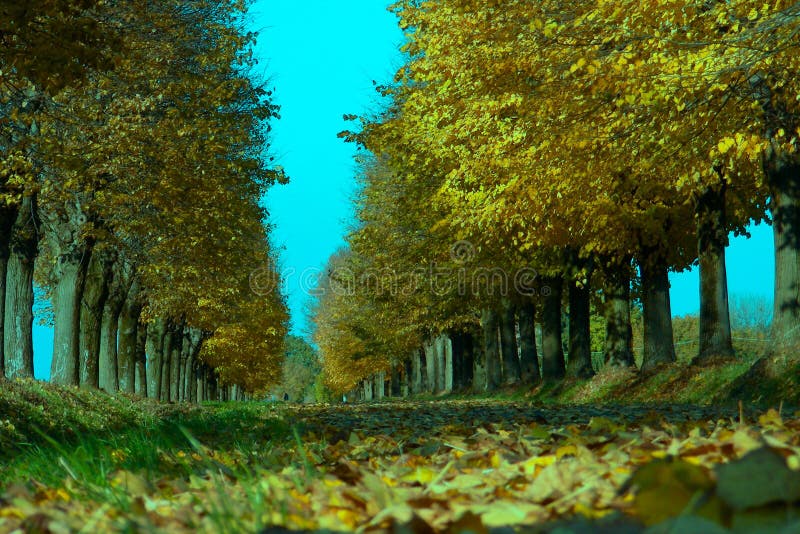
132,170
591,143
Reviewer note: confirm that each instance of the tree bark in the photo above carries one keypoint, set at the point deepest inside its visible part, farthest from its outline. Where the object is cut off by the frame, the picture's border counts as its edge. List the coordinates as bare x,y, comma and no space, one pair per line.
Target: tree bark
8,215
457,347
491,349
618,346
212,386
140,361
3,269
579,364
195,340
176,350
201,382
186,356
447,350
395,380
423,370
67,296
93,301
467,360
18,305
553,365
712,238
437,357
480,373
659,345
109,331
529,359
380,385
408,375
128,339
508,343
416,372
155,352
430,364
166,363
783,179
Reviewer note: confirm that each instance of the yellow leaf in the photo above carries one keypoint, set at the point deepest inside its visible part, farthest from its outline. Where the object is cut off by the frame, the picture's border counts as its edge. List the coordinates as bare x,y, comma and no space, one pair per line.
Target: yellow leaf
566,450
725,144
529,466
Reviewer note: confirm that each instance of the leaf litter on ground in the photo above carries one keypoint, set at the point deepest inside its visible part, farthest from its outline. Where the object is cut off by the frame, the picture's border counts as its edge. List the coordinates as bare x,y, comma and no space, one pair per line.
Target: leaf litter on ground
435,466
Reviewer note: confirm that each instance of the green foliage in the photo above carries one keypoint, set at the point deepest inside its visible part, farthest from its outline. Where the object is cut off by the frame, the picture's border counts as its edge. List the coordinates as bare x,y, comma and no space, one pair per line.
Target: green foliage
301,370
322,393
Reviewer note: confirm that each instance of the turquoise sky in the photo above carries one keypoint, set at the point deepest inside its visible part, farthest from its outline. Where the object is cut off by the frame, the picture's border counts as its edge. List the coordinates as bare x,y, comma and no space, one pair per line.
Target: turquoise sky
322,58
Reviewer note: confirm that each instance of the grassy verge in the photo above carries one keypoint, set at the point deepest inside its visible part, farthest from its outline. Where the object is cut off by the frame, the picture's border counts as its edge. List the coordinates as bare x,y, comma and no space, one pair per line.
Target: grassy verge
76,460
760,382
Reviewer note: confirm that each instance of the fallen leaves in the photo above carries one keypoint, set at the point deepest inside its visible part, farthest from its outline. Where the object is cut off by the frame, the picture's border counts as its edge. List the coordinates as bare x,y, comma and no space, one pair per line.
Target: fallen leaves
452,467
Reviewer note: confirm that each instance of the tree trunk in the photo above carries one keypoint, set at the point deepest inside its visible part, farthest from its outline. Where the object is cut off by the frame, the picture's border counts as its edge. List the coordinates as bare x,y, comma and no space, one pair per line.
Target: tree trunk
109,332
18,306
448,362
467,360
175,364
529,359
619,333
659,345
440,349
212,385
200,392
128,339
186,357
579,364
140,361
424,381
166,363
782,173
408,377
93,301
416,372
712,238
512,371
8,215
553,366
195,344
67,297
480,374
437,358
3,269
368,389
457,348
491,349
395,380
430,363
380,385
155,351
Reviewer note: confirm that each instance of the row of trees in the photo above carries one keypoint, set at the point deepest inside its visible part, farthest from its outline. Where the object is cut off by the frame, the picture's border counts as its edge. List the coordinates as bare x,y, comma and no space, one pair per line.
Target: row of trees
540,155
132,139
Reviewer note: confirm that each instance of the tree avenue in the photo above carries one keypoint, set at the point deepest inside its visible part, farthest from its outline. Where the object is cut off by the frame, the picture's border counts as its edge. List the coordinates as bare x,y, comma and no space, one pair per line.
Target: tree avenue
130,190
593,143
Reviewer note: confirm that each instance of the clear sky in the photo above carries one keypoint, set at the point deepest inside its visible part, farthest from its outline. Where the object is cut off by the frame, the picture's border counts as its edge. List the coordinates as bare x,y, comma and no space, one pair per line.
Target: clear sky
322,57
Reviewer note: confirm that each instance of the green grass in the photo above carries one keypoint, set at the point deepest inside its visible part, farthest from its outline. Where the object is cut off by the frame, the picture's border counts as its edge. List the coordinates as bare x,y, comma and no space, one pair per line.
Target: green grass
127,464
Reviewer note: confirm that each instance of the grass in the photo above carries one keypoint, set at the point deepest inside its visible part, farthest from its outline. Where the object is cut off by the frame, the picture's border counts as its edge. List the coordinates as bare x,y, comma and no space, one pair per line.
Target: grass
216,457
242,466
